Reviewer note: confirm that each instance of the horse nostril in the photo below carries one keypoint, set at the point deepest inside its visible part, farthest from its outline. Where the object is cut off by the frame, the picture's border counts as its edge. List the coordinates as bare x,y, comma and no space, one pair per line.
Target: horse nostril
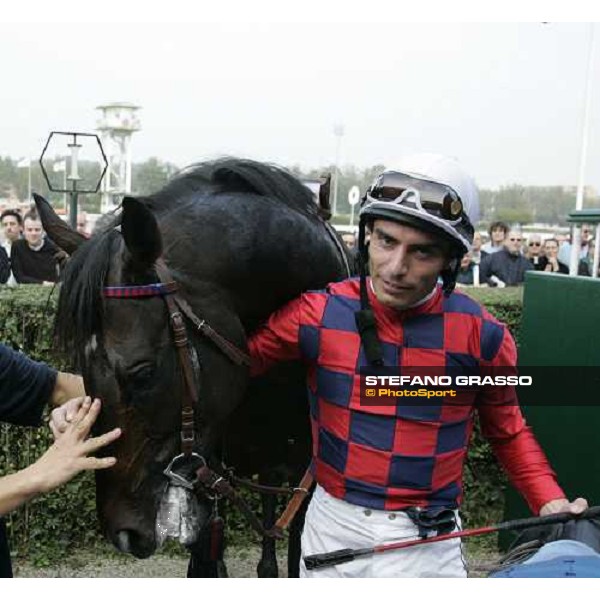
134,542
123,541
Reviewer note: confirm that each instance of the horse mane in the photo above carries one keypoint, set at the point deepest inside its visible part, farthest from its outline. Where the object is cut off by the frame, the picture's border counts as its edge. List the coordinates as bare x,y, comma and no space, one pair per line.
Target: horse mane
79,312
239,175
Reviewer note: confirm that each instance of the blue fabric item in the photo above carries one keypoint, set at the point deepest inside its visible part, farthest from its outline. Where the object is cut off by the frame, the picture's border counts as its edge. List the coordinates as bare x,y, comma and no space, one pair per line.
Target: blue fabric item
339,313
561,559
459,303
424,331
334,387
25,388
492,335
374,431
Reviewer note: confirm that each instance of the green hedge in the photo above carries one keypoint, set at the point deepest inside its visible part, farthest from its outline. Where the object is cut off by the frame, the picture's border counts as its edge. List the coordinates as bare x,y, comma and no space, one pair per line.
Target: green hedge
51,526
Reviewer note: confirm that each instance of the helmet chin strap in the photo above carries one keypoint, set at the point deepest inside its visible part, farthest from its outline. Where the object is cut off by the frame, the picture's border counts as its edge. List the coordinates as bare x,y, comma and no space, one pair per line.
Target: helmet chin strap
365,319
449,275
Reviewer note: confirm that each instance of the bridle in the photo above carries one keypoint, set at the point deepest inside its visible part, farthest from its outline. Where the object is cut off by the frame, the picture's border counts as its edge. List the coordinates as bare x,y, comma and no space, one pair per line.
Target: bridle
204,480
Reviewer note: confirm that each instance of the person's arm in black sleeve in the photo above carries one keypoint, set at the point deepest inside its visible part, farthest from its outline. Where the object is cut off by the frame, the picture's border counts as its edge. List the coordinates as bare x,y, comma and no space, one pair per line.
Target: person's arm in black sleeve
4,266
26,386
485,269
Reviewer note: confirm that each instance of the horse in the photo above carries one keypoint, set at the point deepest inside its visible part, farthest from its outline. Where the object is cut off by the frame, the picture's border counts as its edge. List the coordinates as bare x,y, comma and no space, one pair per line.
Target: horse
238,239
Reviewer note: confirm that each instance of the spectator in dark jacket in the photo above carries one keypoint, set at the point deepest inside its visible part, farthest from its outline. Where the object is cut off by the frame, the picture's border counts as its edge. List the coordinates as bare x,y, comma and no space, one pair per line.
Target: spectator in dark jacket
34,257
507,267
465,273
4,265
534,252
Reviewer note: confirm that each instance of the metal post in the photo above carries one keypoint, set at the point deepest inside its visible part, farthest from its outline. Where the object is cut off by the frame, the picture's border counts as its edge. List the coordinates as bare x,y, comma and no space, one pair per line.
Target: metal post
73,209
74,178
338,131
29,182
576,234
65,186
596,252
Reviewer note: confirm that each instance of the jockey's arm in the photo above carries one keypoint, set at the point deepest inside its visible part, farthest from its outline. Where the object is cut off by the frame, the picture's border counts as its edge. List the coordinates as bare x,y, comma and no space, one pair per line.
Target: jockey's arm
515,445
277,340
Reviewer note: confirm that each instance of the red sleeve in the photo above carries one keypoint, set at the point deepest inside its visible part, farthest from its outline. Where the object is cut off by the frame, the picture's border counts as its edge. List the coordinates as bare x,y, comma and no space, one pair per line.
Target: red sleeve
277,340
512,440
290,333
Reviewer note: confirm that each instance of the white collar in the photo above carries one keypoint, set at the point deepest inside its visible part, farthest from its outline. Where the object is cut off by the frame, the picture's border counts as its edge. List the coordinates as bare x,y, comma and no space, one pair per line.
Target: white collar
418,303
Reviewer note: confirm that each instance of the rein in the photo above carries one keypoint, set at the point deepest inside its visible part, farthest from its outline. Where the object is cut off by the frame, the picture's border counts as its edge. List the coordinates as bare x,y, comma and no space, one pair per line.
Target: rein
206,480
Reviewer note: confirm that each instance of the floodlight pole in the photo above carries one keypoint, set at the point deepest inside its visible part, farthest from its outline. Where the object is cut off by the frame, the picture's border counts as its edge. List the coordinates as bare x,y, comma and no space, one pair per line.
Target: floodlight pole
338,131
576,232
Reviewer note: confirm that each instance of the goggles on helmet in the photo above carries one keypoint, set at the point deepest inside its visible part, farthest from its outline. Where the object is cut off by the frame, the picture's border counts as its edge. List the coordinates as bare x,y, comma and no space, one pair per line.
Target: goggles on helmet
431,197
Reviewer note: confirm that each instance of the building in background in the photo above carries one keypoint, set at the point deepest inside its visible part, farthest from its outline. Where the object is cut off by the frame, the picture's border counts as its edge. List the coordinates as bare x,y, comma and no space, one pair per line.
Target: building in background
117,124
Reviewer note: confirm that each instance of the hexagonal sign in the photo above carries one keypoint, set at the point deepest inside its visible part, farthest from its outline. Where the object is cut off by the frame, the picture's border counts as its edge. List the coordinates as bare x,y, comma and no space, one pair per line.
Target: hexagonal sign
73,162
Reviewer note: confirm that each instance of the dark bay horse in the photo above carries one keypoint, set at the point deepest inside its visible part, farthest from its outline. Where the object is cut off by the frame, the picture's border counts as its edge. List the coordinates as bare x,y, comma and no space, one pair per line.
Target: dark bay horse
239,238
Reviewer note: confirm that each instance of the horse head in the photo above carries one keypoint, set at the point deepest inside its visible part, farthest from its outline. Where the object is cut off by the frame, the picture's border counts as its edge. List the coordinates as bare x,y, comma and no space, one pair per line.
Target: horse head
128,359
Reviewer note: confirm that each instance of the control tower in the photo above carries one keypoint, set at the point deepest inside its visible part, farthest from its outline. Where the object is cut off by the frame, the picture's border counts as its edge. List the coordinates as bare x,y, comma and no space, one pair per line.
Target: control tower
117,123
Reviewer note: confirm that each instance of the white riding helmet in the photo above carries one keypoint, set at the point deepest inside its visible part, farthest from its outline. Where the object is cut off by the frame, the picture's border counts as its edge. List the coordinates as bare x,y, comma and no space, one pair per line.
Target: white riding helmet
430,192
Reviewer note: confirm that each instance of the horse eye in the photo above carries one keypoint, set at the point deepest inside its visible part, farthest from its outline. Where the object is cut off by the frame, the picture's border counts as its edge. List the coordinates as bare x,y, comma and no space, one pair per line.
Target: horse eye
142,373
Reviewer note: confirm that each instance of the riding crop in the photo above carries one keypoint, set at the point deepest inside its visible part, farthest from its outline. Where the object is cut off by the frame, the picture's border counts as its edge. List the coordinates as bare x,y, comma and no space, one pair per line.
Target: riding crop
338,557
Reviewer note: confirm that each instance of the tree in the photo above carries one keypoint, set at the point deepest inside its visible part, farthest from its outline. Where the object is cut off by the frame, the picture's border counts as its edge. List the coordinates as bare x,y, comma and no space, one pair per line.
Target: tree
151,175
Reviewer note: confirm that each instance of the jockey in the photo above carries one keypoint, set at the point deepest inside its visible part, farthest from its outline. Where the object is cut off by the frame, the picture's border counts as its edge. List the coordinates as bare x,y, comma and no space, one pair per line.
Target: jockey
391,472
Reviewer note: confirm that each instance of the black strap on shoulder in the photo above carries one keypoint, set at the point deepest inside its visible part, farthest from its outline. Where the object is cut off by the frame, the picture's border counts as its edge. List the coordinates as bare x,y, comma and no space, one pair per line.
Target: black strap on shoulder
365,319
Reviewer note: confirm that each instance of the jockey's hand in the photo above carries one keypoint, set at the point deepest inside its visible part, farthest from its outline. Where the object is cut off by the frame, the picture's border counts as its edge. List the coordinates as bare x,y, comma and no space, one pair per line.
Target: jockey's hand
61,417
562,505
68,456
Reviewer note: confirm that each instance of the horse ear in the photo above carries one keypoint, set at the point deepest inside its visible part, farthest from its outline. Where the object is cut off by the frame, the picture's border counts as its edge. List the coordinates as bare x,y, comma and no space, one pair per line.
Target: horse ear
58,231
140,232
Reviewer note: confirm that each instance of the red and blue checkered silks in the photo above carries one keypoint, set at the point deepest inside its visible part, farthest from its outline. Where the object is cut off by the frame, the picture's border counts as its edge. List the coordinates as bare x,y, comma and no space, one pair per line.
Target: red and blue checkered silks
395,456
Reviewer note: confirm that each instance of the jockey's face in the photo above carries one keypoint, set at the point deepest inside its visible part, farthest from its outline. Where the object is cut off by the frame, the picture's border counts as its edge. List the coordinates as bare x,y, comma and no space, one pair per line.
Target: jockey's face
404,262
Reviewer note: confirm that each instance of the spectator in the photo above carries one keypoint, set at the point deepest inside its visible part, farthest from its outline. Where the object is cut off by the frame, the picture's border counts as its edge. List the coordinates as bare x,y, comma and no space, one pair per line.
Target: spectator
349,240
82,223
588,261
586,238
553,265
12,227
477,253
465,272
535,253
34,258
497,231
507,267
25,387
4,265
564,249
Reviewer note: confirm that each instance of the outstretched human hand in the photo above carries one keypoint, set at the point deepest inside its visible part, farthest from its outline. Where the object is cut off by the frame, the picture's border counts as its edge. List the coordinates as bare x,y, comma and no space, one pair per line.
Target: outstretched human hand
68,456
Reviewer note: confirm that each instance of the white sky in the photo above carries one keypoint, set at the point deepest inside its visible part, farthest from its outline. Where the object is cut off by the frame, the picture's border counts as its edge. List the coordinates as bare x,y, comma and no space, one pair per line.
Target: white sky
506,99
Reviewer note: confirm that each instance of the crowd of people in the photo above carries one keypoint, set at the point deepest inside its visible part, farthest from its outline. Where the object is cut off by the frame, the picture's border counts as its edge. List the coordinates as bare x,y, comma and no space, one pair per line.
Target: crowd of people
26,254
503,256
